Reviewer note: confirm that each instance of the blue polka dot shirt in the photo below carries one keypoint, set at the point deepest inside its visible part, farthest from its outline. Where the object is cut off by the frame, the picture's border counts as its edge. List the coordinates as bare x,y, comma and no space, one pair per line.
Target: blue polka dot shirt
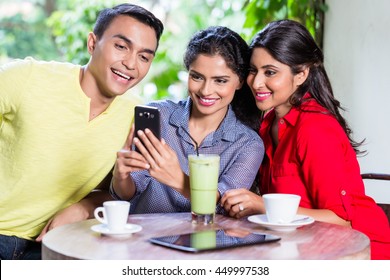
240,148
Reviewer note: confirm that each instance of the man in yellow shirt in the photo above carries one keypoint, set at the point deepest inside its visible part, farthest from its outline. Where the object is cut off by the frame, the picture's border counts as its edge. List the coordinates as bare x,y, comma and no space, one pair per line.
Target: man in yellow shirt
62,124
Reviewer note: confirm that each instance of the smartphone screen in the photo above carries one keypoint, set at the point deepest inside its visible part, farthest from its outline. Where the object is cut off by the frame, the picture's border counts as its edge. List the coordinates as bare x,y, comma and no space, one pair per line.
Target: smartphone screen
213,240
147,117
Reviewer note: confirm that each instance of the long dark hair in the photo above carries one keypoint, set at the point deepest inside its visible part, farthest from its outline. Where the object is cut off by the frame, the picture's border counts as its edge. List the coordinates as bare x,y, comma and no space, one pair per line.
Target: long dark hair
220,40
290,43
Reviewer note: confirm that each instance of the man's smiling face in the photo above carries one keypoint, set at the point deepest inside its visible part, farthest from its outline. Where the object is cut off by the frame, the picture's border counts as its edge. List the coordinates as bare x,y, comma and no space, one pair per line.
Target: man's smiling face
121,58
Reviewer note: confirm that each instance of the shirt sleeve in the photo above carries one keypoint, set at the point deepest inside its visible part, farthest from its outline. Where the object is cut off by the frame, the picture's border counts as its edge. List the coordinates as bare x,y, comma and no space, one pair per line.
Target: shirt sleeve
13,78
321,148
141,180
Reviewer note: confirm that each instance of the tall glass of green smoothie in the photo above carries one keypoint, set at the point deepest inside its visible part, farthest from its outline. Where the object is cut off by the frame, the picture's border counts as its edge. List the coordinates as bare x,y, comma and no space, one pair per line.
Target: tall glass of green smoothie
204,173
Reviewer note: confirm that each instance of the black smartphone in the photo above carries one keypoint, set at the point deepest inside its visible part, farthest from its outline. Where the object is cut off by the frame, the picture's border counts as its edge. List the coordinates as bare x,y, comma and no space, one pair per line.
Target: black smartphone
147,117
213,240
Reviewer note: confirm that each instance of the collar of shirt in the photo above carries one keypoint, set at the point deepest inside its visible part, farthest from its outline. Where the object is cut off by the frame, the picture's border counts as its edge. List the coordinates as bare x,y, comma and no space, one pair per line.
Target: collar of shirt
226,131
309,104
292,116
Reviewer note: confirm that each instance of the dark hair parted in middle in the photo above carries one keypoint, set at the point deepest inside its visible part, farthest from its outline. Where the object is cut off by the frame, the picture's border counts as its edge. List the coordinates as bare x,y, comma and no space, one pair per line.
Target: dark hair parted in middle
220,40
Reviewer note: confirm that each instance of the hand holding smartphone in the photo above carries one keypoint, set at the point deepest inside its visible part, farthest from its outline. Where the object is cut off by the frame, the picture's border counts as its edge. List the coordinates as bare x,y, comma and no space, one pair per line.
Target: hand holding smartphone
147,117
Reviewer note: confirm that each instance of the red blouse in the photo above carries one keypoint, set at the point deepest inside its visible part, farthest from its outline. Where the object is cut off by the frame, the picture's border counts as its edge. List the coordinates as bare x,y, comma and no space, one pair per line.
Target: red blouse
315,160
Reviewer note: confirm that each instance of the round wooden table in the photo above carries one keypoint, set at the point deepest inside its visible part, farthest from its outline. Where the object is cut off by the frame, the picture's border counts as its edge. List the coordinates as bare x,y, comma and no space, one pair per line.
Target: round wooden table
316,241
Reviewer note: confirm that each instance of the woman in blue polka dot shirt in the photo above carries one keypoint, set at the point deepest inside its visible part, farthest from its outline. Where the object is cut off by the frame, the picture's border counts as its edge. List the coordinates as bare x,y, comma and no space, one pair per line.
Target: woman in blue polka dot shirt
218,117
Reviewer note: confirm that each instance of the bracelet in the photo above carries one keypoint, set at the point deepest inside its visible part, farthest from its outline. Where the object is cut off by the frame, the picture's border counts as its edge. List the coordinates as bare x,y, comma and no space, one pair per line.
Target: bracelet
112,192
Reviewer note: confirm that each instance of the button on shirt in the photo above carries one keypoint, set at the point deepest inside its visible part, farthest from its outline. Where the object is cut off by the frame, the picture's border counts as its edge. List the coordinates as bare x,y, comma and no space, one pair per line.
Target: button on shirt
315,160
240,148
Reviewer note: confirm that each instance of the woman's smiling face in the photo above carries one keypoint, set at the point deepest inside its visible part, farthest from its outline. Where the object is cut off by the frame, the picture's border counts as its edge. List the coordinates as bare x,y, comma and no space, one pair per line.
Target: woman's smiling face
272,82
211,85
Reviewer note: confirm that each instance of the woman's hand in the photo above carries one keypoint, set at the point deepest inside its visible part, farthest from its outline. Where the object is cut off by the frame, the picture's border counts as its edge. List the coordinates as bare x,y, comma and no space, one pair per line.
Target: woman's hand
242,202
163,161
127,161
251,203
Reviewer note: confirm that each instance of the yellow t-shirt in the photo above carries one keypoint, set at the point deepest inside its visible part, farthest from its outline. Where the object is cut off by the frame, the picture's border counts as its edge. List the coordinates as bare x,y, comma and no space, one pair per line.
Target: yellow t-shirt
51,155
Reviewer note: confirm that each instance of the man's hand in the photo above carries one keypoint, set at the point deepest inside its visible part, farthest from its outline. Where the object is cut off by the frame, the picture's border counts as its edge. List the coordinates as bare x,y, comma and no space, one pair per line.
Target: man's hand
81,210
71,214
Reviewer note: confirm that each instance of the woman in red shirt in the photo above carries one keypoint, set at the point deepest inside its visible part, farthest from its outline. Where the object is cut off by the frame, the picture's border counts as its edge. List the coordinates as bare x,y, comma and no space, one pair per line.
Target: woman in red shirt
309,148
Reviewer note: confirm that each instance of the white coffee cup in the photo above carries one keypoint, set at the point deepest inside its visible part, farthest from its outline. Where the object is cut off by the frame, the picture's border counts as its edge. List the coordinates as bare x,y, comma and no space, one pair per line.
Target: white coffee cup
115,214
281,208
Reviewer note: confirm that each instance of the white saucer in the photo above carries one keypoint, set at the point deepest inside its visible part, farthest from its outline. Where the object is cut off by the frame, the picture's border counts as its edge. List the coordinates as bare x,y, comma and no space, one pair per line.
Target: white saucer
300,220
128,230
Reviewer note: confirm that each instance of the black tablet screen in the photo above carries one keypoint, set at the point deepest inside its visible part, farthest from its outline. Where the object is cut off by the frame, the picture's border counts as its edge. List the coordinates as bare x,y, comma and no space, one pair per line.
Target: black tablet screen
213,239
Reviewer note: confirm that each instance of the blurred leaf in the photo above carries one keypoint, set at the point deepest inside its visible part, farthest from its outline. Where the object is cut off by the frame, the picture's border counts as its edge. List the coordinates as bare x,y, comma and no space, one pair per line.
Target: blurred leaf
62,36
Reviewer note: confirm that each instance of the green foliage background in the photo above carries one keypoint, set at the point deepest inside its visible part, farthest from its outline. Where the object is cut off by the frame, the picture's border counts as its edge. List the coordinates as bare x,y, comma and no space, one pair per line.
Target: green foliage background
58,29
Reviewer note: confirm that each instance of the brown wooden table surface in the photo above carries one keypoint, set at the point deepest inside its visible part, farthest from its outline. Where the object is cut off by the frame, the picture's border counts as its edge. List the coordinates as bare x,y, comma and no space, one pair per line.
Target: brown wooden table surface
315,241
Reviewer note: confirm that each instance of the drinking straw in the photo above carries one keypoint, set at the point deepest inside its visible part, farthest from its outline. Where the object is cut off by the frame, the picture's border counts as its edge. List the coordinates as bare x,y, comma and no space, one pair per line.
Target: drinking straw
196,145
